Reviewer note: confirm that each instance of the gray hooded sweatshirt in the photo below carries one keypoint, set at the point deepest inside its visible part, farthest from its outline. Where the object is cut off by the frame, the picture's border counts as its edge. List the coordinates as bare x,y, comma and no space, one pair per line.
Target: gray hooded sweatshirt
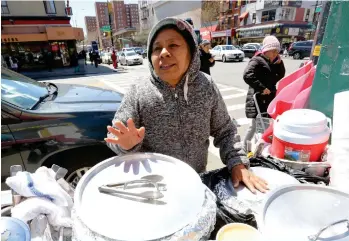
179,121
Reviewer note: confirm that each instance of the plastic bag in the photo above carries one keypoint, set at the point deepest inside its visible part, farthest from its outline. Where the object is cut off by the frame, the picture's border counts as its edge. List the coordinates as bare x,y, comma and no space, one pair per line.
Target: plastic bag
229,208
35,206
42,183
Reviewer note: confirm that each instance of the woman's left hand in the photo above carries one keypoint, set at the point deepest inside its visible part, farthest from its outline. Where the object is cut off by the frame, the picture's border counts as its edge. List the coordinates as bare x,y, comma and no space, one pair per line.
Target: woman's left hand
239,174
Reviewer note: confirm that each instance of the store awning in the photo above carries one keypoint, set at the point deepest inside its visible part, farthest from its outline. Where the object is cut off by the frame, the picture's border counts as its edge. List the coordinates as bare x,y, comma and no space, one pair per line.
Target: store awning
243,16
205,32
17,38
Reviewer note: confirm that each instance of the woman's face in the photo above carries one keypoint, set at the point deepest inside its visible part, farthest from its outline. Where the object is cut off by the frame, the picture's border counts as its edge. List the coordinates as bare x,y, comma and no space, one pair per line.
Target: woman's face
206,48
272,54
170,56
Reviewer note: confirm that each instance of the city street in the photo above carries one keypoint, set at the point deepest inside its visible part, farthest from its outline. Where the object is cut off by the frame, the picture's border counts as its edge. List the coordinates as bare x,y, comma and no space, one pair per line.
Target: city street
228,77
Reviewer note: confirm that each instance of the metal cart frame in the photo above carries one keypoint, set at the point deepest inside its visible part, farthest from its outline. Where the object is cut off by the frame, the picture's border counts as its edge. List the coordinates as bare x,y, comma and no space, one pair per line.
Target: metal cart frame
263,120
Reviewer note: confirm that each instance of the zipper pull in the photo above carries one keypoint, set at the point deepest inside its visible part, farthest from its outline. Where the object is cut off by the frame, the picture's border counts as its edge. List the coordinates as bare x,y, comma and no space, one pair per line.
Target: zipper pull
176,96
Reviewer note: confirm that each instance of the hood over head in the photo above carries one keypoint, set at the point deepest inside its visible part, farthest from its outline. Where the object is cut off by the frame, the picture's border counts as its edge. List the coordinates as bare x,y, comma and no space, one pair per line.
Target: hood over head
188,33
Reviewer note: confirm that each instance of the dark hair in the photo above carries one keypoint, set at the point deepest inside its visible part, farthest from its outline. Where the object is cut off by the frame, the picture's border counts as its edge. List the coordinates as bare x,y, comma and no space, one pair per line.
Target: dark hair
185,33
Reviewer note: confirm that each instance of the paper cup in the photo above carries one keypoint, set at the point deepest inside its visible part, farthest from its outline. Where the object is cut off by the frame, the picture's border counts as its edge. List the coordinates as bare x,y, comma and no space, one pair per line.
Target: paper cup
238,231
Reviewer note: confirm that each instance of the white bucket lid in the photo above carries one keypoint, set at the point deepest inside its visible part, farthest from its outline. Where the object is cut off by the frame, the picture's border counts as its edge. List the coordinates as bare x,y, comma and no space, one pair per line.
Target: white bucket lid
302,126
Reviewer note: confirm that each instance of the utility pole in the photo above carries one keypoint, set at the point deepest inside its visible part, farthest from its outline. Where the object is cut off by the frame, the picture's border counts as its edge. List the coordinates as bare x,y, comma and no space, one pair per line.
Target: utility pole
110,23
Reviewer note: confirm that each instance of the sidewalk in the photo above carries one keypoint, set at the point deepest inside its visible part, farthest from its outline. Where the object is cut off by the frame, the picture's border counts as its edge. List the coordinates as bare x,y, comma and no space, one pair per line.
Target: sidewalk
64,72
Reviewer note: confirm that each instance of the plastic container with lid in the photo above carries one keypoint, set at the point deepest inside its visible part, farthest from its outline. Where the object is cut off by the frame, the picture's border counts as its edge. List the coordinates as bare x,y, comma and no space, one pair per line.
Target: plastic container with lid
300,134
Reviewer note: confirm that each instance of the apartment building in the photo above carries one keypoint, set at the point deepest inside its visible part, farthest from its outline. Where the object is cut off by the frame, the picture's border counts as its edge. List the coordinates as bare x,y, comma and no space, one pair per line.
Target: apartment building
288,20
126,18
91,29
102,17
31,29
146,15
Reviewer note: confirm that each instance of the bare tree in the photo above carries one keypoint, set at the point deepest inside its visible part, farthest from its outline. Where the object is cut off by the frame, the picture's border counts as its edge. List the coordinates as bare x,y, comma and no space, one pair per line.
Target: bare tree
142,37
210,11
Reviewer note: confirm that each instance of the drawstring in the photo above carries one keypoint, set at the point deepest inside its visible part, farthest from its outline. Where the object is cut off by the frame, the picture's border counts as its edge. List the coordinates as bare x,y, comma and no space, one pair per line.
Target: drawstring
185,90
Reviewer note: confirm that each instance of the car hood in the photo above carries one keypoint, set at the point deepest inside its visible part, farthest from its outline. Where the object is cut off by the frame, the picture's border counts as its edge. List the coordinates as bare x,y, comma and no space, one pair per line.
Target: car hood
79,98
235,51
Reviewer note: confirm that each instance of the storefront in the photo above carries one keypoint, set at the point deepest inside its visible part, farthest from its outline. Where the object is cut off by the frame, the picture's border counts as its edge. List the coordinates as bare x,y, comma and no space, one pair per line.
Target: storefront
286,33
222,37
205,32
33,51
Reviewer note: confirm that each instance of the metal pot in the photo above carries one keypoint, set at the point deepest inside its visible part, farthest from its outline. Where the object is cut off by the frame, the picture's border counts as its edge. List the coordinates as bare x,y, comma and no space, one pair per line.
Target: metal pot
119,199
305,213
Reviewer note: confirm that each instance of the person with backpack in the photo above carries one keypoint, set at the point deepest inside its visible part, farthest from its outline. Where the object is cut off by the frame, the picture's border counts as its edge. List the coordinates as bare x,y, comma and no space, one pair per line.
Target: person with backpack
262,73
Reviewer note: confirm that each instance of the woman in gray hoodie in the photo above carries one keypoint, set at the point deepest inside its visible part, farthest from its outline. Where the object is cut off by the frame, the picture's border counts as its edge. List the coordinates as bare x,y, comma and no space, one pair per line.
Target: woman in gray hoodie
177,108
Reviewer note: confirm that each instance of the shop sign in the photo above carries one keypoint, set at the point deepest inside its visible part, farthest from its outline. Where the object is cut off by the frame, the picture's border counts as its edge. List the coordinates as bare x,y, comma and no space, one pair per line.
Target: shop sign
9,40
272,3
293,31
219,34
254,33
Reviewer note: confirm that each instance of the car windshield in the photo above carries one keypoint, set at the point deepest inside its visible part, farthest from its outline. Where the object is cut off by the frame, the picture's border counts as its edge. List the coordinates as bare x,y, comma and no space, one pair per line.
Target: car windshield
130,53
228,47
138,49
19,90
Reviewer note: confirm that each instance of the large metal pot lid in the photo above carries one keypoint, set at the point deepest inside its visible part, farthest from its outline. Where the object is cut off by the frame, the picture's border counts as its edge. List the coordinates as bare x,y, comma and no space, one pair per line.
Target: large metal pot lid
305,213
123,217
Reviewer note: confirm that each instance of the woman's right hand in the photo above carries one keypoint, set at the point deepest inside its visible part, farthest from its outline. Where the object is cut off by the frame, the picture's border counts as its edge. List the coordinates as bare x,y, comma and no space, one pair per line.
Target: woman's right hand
126,137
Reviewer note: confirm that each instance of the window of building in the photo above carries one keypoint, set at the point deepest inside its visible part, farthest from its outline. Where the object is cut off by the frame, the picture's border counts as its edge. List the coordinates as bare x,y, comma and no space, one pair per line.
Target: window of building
254,18
229,21
307,15
287,13
50,7
268,15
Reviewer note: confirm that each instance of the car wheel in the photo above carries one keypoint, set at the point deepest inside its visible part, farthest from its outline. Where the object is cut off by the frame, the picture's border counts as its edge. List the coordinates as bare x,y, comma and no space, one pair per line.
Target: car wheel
127,64
296,56
75,176
224,59
241,60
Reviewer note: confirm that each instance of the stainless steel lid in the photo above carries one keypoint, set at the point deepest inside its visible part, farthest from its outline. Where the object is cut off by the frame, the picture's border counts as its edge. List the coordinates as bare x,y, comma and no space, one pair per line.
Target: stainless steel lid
130,217
305,213
13,229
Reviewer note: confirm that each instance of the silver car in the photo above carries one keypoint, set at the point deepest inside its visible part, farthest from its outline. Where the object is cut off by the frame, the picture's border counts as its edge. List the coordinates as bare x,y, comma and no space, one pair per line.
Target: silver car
227,53
130,57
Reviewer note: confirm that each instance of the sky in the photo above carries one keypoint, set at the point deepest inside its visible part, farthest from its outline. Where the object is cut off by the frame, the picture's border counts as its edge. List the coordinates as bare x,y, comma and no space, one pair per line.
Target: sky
82,8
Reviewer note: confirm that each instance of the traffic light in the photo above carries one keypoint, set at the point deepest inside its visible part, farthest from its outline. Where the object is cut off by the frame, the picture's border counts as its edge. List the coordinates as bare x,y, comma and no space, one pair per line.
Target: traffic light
106,34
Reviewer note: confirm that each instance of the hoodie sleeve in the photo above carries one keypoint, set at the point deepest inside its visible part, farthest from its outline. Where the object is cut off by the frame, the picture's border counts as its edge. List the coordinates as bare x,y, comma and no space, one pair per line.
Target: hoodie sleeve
250,76
128,109
225,133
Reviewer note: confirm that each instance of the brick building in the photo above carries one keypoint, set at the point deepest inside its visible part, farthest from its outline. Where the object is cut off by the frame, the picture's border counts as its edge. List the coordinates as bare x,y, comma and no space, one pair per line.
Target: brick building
103,20
91,28
126,19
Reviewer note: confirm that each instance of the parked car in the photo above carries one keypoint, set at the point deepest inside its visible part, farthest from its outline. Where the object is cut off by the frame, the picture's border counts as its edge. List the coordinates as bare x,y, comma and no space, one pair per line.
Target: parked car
227,53
301,49
45,123
249,50
106,58
238,47
130,57
140,51
257,45
127,49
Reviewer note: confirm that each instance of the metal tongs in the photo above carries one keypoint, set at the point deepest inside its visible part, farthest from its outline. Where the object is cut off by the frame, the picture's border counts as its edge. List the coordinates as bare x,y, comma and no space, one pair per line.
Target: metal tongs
114,188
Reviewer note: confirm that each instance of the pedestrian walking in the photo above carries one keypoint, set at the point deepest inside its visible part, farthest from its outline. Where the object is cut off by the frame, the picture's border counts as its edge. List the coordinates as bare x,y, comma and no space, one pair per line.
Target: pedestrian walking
262,74
114,59
84,55
95,57
14,63
206,58
91,57
146,120
75,61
